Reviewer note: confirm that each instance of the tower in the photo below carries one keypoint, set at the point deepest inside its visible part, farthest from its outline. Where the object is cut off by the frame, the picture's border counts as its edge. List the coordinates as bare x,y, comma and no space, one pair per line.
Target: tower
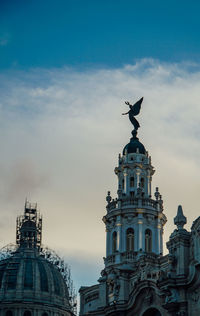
138,280
134,224
134,220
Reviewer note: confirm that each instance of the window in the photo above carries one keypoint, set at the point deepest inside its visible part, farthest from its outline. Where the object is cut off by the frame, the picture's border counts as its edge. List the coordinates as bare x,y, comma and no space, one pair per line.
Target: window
132,194
114,242
132,182
142,182
123,184
27,313
130,239
152,312
148,240
9,313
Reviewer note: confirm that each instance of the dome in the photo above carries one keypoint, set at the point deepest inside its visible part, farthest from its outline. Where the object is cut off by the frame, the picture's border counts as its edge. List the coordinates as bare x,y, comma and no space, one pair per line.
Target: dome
134,146
28,224
33,279
27,276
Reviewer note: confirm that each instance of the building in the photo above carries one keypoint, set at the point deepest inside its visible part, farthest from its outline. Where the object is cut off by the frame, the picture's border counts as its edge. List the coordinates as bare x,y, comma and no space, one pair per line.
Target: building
138,279
33,280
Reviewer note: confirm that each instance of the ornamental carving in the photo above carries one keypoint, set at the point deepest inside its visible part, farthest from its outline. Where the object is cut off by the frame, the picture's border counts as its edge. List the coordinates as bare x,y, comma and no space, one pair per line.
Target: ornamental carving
195,296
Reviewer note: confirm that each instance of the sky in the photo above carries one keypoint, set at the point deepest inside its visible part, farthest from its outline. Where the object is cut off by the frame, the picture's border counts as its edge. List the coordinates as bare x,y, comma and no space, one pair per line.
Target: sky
66,68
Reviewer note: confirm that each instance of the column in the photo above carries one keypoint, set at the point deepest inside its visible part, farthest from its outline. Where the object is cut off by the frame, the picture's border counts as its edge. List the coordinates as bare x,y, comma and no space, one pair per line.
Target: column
137,176
107,242
126,184
148,184
140,233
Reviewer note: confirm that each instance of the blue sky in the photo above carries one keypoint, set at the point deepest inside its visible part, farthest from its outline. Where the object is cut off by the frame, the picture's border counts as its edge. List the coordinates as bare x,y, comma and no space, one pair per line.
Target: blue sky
96,33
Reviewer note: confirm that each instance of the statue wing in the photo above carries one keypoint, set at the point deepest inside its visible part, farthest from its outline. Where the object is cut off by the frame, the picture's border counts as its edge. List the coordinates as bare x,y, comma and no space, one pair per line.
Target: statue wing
136,107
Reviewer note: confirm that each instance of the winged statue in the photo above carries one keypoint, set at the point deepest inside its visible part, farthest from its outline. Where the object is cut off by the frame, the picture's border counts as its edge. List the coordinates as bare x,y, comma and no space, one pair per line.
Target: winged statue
134,110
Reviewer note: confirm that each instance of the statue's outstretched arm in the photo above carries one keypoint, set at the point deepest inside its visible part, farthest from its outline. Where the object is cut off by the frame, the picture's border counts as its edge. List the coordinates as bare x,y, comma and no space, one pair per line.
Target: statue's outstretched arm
125,113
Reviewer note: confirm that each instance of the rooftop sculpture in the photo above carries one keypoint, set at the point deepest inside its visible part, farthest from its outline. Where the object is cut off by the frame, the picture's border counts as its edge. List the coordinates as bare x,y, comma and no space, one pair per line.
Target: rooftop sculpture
134,110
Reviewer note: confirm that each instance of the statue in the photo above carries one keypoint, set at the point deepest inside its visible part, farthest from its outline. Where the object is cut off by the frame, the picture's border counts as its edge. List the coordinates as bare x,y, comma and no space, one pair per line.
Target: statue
134,110
173,297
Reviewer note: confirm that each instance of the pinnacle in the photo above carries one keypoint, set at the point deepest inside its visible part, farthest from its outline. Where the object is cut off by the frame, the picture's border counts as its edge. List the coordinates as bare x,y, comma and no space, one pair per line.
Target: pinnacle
180,220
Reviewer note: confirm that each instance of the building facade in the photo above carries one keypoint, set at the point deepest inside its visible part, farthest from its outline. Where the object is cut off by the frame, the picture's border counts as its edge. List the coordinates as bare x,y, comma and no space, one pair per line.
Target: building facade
32,279
138,280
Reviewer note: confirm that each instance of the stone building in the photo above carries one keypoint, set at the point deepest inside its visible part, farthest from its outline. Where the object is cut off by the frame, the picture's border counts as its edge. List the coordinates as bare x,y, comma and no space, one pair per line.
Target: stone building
138,280
32,279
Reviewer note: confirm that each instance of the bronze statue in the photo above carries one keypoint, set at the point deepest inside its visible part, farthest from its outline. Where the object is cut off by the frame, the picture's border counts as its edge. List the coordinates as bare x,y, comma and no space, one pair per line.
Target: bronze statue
134,110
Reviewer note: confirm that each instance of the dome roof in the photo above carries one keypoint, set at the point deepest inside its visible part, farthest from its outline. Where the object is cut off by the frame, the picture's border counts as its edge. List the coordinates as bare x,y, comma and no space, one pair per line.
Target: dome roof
134,146
27,276
29,224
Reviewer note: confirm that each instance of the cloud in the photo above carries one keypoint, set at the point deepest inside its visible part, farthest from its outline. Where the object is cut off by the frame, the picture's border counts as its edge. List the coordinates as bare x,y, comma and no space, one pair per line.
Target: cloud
61,131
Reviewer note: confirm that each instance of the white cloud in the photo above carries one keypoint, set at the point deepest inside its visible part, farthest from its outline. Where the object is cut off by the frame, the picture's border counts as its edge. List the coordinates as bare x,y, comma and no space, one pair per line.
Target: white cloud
61,131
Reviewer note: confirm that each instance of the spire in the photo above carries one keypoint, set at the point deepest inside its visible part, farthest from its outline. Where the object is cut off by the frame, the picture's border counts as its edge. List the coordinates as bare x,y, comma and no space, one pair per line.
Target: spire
180,220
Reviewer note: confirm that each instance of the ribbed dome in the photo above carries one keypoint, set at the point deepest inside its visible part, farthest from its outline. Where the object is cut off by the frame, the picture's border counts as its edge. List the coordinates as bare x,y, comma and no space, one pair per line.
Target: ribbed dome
134,146
27,276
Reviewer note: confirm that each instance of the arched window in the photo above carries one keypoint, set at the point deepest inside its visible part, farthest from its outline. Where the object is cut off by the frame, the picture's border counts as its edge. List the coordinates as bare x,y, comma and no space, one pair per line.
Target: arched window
9,313
27,313
114,242
131,182
122,184
142,182
148,240
130,239
132,194
152,312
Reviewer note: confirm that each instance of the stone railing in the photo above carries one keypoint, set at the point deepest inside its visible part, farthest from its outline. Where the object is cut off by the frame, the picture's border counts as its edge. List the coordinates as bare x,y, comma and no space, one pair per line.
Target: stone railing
109,260
149,202
135,202
129,256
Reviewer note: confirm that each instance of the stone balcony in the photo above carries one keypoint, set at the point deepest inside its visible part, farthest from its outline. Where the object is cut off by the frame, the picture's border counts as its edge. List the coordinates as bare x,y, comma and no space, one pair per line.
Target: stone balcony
133,258
134,202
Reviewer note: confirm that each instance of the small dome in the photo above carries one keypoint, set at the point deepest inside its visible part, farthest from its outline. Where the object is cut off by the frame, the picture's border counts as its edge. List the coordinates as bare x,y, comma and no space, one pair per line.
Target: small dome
29,224
27,276
134,146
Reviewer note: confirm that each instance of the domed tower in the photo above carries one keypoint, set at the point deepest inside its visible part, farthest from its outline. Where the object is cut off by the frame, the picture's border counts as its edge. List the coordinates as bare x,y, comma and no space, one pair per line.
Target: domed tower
134,220
30,284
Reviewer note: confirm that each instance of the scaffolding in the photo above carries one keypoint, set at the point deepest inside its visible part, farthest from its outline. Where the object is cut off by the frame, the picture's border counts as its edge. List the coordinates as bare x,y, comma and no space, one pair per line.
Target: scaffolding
65,270
31,215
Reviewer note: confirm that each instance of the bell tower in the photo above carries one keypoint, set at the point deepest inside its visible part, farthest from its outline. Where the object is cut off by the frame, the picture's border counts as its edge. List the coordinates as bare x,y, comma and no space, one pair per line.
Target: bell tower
134,220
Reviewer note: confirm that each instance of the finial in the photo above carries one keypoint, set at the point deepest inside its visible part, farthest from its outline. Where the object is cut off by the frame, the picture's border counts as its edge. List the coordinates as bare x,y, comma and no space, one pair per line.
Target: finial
180,220
134,134
157,194
108,198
